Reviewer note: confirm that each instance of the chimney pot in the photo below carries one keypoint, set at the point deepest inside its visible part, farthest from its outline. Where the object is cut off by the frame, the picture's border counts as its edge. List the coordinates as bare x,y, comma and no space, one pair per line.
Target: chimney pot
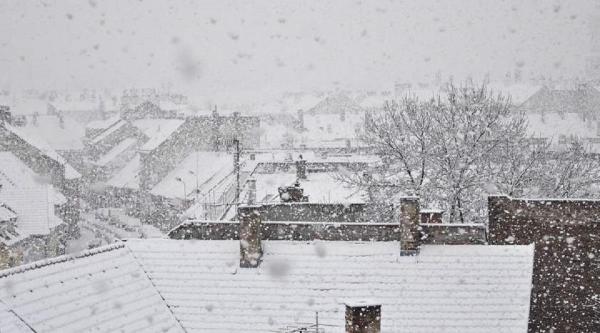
301,169
363,317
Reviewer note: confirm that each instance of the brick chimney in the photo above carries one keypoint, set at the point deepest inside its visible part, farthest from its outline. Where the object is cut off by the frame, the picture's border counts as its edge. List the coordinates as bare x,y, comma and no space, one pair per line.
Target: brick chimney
301,169
251,191
363,317
250,236
410,233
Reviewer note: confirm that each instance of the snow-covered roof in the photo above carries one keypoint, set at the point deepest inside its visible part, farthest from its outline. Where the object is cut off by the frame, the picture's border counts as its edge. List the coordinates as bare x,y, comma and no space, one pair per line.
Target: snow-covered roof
68,136
128,176
207,169
103,124
103,290
320,187
458,288
44,148
465,288
115,151
568,99
157,130
336,103
114,127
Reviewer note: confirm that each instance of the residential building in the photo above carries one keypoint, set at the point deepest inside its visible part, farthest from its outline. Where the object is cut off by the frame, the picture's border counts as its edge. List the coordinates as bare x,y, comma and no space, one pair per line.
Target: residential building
254,285
566,279
31,214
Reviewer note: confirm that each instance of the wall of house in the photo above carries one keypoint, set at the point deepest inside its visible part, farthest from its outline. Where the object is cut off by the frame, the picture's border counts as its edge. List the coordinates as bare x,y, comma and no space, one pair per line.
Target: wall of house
566,274
163,213
9,257
34,248
453,234
308,211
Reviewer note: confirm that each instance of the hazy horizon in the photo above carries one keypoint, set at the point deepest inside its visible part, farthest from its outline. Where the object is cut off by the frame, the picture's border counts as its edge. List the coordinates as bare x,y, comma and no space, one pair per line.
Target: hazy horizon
207,48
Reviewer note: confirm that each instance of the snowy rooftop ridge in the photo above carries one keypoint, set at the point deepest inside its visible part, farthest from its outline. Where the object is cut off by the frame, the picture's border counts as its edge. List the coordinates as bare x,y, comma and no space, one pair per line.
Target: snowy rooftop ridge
59,259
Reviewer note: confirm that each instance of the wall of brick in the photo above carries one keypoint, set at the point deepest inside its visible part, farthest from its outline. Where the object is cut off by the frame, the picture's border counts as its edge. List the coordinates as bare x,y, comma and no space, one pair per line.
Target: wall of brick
308,211
317,226
566,234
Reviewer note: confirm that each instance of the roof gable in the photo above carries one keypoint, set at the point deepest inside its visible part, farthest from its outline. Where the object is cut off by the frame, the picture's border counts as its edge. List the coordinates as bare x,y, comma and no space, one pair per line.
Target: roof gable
101,290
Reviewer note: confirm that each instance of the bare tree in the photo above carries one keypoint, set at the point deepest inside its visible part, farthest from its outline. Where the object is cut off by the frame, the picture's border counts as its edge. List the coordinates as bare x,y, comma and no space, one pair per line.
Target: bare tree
573,172
400,133
455,149
518,169
444,149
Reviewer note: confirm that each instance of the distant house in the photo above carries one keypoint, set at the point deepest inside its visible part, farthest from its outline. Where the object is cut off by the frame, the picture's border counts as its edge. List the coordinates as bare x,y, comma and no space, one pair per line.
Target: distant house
334,123
31,210
566,279
204,179
315,170
81,110
336,104
254,285
583,99
44,161
560,116
145,110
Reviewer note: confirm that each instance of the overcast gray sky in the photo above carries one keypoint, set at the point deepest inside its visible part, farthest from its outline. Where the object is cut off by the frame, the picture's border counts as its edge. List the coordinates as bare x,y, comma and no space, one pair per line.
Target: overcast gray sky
209,46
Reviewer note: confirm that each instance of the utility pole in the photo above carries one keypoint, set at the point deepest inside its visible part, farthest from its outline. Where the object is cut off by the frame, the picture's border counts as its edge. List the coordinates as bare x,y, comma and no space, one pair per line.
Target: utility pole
236,169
